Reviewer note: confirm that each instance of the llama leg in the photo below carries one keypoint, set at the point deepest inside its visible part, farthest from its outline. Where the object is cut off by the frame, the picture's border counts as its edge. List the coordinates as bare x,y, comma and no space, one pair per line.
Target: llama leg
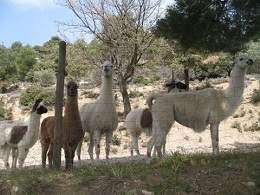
164,150
50,156
90,148
79,151
6,156
160,141
45,147
67,152
150,144
22,153
134,145
109,135
215,137
96,137
14,158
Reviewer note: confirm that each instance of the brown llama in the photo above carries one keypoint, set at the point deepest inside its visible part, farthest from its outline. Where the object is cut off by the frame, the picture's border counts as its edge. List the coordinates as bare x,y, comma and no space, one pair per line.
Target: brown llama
72,132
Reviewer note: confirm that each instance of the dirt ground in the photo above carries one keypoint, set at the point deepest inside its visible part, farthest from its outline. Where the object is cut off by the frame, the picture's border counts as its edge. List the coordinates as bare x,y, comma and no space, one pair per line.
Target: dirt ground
180,138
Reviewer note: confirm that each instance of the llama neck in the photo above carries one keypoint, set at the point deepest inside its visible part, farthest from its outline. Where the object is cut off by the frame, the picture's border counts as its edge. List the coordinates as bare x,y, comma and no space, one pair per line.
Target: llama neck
106,92
71,107
32,133
235,90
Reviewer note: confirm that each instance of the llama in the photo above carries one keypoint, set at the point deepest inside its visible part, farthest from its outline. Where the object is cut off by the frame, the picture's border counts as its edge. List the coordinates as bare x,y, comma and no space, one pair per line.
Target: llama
176,86
140,119
197,109
100,117
72,132
20,137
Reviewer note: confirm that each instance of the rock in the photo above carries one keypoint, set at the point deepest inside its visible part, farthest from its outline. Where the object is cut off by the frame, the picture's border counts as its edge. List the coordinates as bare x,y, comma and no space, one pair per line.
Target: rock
145,192
249,184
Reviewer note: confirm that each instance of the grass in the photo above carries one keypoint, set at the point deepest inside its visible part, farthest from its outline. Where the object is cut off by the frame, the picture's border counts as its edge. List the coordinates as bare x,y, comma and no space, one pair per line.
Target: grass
227,173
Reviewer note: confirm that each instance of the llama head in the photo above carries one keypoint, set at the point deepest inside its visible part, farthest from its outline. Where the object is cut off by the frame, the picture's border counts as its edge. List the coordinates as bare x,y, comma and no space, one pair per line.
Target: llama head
72,89
38,107
107,69
176,84
243,61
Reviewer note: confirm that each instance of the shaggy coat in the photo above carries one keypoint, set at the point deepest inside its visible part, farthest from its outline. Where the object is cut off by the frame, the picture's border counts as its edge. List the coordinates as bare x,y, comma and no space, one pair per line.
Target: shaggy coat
100,117
72,131
140,119
197,109
21,137
137,121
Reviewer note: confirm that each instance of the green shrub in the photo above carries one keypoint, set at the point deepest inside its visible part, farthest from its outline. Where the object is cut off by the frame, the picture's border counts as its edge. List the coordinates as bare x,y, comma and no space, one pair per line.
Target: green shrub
6,87
2,110
255,98
142,80
254,127
135,94
45,77
236,125
116,141
32,93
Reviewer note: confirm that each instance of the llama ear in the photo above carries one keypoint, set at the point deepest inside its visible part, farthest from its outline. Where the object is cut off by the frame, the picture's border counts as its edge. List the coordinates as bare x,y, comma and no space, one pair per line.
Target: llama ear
35,106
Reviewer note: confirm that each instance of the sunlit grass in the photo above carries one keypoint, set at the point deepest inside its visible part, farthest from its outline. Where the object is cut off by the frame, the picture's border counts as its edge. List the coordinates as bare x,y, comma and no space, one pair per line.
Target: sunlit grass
226,173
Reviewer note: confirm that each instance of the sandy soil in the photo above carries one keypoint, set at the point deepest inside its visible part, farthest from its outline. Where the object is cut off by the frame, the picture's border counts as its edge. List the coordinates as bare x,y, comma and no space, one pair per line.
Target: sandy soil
180,138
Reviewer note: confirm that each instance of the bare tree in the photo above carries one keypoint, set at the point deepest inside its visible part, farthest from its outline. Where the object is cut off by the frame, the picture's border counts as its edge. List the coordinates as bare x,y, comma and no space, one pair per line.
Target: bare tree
124,28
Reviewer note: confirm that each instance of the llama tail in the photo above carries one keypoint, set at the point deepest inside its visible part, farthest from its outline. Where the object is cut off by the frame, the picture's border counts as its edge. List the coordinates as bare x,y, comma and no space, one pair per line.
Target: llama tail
151,97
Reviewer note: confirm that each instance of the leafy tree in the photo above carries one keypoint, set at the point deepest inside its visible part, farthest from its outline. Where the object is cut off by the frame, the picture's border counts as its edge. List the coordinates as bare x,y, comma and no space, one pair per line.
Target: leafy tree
201,27
254,51
24,58
77,64
122,27
7,67
212,25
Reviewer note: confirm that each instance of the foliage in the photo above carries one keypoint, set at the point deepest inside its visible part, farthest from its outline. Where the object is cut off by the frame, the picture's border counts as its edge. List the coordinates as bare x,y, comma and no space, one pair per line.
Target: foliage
135,94
210,25
2,110
45,77
116,141
255,98
32,93
8,69
254,52
146,80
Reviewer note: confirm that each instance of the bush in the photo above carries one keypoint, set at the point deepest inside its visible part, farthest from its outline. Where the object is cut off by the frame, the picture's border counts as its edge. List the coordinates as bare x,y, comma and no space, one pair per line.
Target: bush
255,98
45,77
142,80
32,93
6,87
2,110
135,94
116,141
145,80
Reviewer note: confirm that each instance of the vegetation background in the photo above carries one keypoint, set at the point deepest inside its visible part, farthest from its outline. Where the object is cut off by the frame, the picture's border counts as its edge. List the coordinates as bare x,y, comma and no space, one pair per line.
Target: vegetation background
193,40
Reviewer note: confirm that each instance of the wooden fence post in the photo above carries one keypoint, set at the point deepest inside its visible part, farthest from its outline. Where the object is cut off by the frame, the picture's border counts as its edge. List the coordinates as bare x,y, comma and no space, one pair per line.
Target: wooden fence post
58,106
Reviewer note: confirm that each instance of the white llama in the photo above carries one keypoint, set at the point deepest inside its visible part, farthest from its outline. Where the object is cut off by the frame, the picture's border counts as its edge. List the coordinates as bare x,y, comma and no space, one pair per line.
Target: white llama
100,117
19,138
197,109
139,120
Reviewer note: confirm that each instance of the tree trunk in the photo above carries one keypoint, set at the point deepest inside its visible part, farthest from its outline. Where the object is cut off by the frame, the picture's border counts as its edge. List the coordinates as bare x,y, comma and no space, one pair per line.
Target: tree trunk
126,100
186,77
